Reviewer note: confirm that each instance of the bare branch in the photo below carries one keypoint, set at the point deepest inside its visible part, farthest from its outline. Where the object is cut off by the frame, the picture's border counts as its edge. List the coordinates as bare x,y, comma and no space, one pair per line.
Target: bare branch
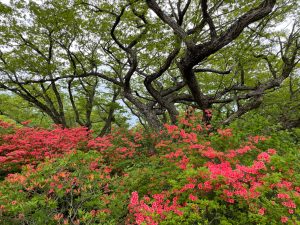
173,11
97,9
208,19
112,31
152,4
44,80
181,13
243,109
207,70
271,68
202,23
173,89
164,67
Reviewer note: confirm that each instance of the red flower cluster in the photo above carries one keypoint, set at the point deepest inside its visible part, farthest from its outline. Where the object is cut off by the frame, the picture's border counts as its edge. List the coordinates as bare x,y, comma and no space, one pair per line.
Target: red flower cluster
225,176
228,174
225,132
144,209
100,143
31,145
5,125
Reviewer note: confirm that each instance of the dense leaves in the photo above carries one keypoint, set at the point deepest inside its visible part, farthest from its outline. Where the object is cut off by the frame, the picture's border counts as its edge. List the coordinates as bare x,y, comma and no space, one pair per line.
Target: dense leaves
185,175
82,65
71,69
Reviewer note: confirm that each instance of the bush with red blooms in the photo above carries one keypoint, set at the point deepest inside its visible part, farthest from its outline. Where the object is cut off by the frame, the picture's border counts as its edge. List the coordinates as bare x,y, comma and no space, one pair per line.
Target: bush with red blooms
71,190
186,174
221,179
32,145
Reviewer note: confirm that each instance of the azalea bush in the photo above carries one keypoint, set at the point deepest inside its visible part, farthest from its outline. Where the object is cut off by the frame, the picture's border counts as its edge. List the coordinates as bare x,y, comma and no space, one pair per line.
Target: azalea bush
26,145
58,191
221,179
186,174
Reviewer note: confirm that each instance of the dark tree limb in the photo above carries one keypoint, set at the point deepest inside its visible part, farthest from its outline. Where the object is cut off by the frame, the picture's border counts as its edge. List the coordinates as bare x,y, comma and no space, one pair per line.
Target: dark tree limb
255,103
207,18
152,4
207,70
108,122
83,75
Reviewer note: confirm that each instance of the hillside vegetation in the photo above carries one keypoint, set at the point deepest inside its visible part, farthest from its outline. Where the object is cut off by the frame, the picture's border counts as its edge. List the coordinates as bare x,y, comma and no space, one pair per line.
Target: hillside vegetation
185,174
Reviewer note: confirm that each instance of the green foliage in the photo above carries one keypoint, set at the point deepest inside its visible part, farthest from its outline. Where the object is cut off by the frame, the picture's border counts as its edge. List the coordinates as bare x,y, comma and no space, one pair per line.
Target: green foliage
68,65
56,189
96,187
14,108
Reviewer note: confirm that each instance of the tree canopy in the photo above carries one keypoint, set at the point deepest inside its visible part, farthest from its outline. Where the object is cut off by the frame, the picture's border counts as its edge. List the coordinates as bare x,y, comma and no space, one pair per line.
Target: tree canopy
85,62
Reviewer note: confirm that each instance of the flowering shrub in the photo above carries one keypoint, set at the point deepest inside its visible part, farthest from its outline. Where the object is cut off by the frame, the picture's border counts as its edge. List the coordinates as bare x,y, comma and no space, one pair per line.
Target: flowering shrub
58,192
222,187
31,145
186,174
220,179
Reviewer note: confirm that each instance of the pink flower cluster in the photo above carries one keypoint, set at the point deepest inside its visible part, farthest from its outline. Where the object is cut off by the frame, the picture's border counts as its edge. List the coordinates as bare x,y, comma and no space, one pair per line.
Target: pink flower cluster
144,210
225,132
208,113
100,143
30,145
5,125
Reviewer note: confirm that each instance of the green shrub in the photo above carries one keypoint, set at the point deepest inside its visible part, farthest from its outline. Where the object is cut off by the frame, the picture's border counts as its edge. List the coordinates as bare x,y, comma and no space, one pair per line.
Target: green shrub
183,175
